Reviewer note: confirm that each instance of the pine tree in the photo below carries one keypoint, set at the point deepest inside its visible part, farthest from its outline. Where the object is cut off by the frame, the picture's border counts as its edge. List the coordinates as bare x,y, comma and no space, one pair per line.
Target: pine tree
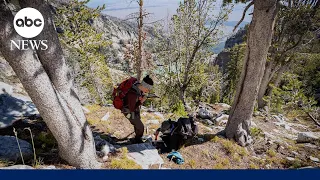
184,49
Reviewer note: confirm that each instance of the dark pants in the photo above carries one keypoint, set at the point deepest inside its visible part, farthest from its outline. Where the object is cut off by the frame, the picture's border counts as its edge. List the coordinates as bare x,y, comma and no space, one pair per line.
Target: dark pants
137,123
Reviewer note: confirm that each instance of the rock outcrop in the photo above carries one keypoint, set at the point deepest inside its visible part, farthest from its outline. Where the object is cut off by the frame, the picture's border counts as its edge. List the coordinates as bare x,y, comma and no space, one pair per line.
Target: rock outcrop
14,106
145,155
9,150
307,137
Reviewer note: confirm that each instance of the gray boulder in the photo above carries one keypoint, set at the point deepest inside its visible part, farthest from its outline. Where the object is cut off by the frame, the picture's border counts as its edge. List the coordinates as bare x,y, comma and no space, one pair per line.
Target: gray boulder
145,155
208,122
9,149
307,137
290,158
221,119
5,88
18,167
223,106
311,146
314,159
205,114
14,107
280,118
47,167
308,167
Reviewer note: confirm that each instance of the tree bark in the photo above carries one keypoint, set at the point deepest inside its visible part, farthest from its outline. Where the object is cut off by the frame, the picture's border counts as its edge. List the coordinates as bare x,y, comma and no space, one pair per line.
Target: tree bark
140,27
264,85
183,95
45,77
258,43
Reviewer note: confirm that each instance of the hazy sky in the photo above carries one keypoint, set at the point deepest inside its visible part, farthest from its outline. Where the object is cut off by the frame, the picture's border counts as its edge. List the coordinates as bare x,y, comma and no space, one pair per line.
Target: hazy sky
159,8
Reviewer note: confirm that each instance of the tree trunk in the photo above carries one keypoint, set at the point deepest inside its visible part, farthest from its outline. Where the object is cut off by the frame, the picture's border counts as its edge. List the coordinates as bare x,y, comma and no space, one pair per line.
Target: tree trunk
264,85
140,40
277,81
45,77
258,43
183,95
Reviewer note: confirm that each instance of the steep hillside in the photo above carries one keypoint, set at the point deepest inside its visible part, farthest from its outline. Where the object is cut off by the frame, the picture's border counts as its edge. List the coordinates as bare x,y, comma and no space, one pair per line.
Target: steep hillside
223,57
122,35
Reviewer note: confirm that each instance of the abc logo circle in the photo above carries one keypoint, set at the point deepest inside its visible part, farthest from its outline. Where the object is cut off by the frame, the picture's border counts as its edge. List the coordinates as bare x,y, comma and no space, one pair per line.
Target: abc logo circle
28,22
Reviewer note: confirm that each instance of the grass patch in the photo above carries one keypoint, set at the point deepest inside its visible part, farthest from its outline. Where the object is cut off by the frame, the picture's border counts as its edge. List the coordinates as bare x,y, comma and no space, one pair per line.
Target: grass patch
273,160
93,108
232,148
123,162
93,120
256,132
253,166
236,157
222,163
205,152
192,163
293,113
4,163
39,162
293,148
271,153
215,139
295,164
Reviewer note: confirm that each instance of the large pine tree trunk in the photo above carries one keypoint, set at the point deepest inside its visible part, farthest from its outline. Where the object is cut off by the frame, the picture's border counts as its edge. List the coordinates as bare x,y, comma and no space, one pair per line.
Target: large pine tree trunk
258,43
264,85
45,77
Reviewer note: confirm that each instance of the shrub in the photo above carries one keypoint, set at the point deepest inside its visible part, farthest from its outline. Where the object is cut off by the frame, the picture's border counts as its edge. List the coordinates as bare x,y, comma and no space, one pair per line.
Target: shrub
178,110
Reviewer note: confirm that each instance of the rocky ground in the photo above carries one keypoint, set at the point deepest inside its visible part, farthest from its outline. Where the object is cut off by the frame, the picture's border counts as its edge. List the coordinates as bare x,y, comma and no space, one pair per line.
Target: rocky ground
290,141
279,142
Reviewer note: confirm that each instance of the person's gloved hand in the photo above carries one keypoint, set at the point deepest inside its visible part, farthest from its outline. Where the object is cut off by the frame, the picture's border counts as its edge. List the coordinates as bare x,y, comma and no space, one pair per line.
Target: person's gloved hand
143,99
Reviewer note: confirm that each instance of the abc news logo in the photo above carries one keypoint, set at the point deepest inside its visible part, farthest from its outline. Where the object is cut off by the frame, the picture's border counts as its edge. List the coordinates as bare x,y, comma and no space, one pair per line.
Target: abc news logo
28,23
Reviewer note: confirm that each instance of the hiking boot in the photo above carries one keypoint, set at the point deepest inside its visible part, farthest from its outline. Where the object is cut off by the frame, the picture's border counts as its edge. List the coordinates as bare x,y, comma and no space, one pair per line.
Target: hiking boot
136,141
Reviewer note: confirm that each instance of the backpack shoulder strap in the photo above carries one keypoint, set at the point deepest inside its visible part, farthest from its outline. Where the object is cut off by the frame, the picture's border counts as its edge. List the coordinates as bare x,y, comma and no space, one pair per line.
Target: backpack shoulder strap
136,89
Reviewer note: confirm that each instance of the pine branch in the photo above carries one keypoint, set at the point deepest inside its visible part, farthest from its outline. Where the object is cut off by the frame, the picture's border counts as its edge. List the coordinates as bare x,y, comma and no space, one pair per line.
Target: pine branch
243,15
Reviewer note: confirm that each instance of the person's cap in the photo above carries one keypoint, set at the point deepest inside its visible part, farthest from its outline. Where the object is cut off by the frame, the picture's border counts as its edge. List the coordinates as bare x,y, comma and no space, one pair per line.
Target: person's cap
147,82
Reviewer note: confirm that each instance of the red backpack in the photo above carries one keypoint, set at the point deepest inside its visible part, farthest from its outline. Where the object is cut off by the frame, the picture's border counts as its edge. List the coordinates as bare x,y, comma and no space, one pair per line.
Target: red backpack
120,92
